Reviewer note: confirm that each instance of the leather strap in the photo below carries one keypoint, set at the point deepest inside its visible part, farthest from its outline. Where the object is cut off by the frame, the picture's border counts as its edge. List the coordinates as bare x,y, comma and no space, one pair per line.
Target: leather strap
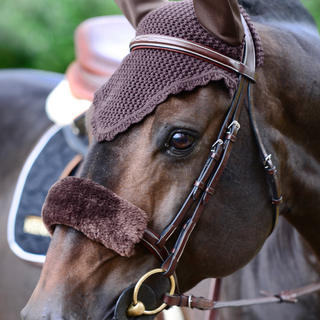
171,263
150,240
215,154
201,303
268,165
154,41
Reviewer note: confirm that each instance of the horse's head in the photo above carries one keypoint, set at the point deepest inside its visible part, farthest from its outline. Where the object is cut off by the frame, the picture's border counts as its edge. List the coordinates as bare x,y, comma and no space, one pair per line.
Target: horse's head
149,164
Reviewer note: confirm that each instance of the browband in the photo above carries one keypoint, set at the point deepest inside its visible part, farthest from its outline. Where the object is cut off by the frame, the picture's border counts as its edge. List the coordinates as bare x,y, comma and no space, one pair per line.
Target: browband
154,41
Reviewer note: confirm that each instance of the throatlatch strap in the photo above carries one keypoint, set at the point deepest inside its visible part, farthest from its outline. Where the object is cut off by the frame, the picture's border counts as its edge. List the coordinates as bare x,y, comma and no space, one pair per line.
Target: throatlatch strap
268,165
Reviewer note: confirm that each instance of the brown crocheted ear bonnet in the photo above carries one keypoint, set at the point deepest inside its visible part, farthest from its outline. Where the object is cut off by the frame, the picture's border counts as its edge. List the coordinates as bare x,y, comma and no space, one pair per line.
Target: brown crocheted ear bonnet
147,77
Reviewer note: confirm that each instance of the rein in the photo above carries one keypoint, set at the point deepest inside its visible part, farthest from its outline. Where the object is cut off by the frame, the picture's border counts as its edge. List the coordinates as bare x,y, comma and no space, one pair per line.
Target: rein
289,296
203,187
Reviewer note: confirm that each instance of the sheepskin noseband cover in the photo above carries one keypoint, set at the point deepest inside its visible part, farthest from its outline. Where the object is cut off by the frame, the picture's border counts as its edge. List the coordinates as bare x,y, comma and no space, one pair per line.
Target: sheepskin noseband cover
97,212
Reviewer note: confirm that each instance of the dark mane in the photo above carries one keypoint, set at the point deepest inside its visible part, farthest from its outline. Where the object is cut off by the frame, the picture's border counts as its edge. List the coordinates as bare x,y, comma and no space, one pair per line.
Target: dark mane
274,11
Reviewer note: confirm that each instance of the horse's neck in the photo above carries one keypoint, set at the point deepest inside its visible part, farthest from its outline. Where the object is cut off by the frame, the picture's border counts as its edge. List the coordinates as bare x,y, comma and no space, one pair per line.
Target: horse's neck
287,97
275,11
288,249
285,262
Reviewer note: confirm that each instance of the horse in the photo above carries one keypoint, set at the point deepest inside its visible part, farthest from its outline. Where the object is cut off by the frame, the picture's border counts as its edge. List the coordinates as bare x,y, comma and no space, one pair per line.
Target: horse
149,168
23,120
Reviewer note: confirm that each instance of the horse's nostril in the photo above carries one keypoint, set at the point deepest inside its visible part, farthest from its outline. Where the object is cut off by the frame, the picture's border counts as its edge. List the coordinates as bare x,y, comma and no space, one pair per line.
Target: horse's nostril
27,315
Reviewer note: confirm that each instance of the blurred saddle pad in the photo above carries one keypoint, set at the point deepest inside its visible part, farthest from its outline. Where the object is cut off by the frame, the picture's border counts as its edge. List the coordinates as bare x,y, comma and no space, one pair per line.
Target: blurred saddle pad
27,236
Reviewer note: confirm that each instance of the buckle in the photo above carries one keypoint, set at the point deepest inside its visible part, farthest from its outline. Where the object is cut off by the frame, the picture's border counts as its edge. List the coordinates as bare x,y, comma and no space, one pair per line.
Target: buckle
267,158
190,301
236,123
219,141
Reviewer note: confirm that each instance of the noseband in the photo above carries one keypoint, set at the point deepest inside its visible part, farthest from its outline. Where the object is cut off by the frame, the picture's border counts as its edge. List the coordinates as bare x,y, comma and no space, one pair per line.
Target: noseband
203,187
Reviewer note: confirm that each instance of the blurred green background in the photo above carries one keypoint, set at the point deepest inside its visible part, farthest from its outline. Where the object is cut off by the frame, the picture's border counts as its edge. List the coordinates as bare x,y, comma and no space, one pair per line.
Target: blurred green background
39,33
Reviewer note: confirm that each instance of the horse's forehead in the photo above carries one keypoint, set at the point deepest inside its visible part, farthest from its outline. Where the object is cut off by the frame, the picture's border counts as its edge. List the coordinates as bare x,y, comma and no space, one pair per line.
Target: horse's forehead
199,105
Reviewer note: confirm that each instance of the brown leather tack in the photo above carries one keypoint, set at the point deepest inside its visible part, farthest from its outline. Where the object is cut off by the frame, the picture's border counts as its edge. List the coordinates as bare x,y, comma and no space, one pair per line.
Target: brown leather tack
215,156
289,296
206,198
231,137
272,170
277,202
154,41
210,190
188,301
199,184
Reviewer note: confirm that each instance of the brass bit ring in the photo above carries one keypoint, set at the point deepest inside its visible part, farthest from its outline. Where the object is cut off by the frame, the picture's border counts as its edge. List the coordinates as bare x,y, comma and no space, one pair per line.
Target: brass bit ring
134,311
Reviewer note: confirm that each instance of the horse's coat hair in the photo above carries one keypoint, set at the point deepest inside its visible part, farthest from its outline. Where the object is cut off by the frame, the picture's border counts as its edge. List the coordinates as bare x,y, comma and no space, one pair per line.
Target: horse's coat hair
97,212
147,77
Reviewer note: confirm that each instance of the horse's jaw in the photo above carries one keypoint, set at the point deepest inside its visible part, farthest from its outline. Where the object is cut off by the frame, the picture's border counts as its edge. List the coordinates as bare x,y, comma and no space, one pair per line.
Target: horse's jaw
74,266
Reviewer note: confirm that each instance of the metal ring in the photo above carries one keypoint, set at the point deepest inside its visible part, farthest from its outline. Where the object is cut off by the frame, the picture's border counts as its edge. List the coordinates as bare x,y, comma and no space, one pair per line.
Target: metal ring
142,279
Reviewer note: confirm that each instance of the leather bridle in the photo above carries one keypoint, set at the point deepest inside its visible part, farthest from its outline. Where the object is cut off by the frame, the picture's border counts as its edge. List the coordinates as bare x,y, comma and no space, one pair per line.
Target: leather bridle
203,187
217,160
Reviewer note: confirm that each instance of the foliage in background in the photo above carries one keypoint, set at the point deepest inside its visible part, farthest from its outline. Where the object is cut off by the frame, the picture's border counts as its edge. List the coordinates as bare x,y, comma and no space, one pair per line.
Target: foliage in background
39,33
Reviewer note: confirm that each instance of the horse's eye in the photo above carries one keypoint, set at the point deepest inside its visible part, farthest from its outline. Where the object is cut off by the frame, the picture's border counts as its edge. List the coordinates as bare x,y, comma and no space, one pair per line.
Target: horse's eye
181,141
